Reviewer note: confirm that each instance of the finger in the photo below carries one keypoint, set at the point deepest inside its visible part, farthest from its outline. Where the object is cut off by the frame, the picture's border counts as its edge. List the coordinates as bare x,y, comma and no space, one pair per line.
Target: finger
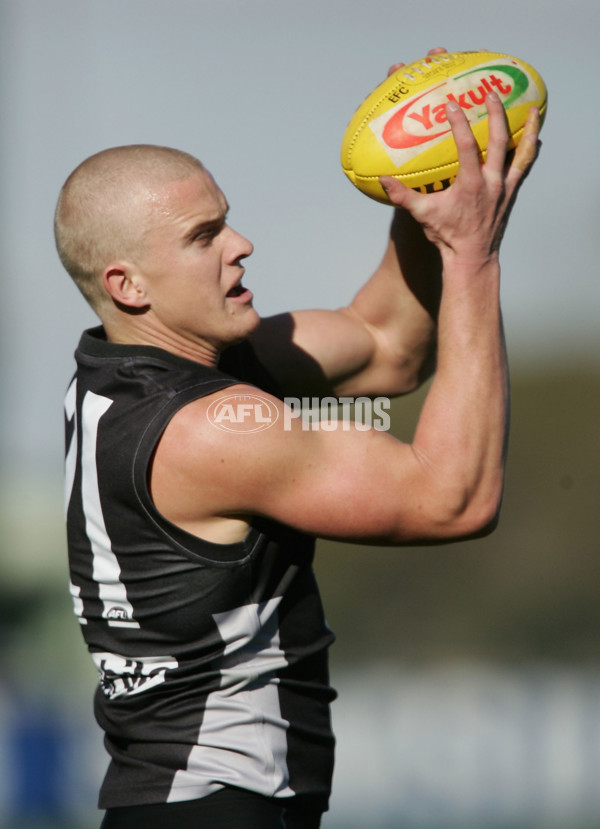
497,144
467,149
394,68
399,194
437,50
525,154
527,148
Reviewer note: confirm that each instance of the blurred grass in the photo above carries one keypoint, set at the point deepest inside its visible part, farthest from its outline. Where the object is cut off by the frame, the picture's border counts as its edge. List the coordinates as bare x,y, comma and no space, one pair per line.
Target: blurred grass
527,592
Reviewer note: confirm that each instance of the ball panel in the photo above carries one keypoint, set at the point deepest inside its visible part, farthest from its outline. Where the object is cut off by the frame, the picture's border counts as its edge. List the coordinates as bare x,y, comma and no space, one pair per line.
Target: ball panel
401,129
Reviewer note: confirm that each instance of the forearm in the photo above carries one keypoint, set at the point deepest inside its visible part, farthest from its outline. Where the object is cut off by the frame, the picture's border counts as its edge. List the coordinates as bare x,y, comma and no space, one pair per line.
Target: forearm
461,436
462,432
407,284
399,306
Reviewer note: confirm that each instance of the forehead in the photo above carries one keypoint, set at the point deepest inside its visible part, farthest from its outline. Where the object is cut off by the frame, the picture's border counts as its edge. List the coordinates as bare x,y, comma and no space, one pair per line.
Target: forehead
189,200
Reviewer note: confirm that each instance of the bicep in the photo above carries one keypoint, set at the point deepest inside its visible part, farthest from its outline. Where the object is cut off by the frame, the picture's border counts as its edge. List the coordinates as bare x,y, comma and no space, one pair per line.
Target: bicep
316,352
351,486
343,483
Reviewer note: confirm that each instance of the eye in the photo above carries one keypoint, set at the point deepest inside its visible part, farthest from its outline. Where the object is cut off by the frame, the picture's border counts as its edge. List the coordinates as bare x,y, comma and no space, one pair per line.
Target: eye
208,233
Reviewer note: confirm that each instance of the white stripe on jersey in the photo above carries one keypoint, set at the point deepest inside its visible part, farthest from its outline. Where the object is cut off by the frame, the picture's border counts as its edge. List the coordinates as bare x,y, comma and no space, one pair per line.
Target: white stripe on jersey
71,459
106,570
77,603
70,465
242,739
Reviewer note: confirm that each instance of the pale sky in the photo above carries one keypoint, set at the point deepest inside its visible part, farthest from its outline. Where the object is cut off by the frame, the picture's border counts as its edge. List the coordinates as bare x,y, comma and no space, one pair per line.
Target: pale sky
261,91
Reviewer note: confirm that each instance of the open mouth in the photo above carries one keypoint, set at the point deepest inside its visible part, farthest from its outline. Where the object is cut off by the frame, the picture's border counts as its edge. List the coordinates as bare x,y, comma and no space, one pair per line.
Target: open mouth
238,290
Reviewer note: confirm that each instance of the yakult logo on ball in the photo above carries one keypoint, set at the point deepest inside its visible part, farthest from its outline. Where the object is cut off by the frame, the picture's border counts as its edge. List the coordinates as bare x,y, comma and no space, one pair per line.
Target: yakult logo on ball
411,127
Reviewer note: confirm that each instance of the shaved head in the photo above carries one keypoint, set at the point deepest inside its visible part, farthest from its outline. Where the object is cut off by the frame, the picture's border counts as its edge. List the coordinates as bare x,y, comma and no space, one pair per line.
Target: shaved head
105,207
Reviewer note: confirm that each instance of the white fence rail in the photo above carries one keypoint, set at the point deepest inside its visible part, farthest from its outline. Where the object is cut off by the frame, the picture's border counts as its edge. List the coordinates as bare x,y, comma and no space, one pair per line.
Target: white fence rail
472,746
467,746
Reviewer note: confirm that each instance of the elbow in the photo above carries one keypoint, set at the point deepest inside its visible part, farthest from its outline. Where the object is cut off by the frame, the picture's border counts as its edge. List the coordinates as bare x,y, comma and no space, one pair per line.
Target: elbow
416,369
477,518
460,518
484,525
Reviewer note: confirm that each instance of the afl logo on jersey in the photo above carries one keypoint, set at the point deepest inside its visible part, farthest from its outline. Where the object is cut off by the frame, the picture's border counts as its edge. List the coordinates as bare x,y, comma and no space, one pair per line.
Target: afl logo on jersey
118,614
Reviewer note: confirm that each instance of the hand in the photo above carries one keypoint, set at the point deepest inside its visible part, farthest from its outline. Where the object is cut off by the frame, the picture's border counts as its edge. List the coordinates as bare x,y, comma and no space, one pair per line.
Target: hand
439,50
468,219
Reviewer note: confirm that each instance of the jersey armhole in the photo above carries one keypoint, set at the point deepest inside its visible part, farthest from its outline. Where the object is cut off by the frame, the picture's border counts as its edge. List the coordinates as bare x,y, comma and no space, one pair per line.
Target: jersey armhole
188,544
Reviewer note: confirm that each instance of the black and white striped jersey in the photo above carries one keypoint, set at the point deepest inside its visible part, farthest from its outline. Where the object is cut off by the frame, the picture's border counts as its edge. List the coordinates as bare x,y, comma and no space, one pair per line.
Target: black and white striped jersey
212,658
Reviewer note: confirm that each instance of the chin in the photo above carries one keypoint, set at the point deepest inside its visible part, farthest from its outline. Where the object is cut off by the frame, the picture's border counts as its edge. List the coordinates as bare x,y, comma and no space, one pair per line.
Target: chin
246,325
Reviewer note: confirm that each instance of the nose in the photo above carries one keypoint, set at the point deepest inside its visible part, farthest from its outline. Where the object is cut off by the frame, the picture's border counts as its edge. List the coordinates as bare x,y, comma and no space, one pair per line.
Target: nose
239,247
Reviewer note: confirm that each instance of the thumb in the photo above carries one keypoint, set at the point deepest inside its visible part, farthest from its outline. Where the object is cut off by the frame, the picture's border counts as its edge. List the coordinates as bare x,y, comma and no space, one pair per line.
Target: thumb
398,194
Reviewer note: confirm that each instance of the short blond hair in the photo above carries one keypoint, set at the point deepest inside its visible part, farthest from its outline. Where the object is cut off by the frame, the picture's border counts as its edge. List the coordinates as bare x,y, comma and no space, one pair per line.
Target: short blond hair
103,210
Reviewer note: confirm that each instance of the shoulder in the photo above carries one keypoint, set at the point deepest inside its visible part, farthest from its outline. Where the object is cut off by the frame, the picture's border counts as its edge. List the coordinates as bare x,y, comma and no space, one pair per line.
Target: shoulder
217,457
230,418
245,437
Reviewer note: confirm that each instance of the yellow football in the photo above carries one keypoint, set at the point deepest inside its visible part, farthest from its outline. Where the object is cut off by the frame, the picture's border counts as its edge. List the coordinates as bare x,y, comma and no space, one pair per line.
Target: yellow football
401,129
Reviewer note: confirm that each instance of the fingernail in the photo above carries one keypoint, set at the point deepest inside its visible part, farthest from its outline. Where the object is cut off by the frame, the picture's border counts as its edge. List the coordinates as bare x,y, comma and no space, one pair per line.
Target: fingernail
452,105
493,96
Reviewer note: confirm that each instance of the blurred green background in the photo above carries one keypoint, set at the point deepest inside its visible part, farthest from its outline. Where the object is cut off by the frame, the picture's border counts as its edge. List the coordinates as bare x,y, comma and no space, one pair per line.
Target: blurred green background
529,591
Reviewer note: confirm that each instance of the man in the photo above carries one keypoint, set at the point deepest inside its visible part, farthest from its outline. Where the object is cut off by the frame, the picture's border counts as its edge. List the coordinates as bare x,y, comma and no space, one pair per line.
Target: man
191,547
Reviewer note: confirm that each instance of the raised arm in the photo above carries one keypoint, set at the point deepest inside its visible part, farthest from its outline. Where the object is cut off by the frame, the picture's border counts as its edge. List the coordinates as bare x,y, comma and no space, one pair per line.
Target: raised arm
382,343
367,486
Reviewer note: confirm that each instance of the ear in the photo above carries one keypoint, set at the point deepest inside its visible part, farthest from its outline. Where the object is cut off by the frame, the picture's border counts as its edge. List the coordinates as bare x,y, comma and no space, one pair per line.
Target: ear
125,286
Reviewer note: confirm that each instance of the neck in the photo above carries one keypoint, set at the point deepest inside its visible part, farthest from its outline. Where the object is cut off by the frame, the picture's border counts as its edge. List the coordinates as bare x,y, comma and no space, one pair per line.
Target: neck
136,331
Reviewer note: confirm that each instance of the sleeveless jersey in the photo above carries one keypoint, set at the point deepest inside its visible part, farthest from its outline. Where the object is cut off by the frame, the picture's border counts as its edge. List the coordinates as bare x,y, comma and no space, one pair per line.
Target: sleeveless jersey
212,657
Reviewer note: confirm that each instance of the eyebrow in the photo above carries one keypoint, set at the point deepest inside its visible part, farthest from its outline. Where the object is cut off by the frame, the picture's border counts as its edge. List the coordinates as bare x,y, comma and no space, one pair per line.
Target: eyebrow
206,224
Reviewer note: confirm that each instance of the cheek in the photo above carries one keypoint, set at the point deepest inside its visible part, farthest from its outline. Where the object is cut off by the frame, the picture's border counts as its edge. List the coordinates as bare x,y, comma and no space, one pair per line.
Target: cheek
193,284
